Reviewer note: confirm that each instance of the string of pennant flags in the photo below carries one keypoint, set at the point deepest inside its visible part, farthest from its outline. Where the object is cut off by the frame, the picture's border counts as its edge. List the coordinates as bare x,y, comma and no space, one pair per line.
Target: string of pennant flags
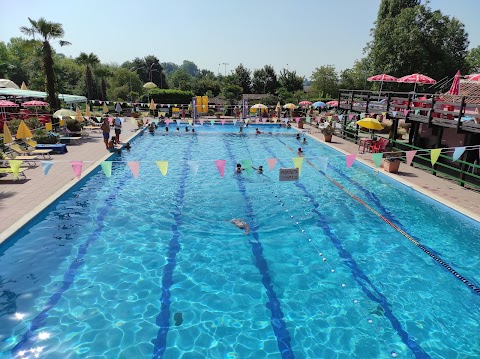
221,164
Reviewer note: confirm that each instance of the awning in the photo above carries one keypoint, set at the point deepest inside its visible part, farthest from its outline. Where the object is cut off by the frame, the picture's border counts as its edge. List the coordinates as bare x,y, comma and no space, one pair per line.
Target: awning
39,94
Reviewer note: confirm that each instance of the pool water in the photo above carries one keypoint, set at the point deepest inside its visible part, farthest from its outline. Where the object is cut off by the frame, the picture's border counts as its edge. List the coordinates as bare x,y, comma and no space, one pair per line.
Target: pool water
152,267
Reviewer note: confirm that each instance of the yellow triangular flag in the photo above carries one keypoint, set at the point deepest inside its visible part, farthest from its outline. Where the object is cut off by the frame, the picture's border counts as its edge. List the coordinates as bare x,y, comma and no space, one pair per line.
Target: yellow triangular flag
24,86
163,167
190,122
298,163
15,166
434,154
133,121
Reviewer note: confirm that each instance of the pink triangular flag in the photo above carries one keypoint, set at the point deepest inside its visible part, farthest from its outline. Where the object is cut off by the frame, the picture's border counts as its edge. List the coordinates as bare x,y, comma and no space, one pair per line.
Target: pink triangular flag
264,120
350,116
202,122
144,121
77,167
134,167
223,122
221,166
297,119
410,155
257,120
167,121
272,162
350,159
405,112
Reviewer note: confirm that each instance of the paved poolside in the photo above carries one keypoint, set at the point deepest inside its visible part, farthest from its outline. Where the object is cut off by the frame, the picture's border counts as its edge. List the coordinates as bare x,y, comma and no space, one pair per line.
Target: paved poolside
20,201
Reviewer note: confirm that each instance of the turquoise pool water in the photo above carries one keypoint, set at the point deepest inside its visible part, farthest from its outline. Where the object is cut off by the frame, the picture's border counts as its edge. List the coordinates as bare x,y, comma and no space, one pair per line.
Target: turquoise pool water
151,267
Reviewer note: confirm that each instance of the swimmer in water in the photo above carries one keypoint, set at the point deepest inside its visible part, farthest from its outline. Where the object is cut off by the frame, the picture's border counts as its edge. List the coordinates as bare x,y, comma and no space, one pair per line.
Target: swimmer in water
241,224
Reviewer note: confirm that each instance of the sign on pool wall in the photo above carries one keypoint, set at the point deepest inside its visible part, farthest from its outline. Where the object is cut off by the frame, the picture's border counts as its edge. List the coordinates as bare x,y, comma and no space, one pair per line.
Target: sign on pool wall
288,174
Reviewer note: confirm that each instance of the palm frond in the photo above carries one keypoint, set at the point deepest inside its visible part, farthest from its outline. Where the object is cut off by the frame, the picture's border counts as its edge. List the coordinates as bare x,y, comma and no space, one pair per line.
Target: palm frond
64,43
29,31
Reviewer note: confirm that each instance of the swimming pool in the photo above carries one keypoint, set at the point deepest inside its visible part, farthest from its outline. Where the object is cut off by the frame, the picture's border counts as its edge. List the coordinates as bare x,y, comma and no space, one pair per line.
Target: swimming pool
151,267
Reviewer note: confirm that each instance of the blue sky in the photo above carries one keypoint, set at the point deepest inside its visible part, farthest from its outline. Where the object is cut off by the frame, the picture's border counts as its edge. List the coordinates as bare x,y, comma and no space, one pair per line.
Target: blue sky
299,35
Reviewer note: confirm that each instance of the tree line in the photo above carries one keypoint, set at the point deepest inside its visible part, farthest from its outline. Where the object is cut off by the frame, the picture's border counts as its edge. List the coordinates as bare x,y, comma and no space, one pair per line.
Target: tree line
407,37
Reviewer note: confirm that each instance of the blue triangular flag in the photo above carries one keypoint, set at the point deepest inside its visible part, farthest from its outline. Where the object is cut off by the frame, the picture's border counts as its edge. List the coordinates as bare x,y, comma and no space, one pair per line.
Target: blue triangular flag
458,152
46,165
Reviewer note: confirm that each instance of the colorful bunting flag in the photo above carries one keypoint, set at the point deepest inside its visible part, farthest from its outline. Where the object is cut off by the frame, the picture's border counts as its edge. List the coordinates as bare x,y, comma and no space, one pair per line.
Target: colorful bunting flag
458,152
350,159
134,167
434,154
377,159
212,122
272,162
322,163
178,122
223,122
234,121
247,164
190,122
77,167
410,155
405,112
107,168
307,119
298,163
202,122
221,166
163,167
15,166
46,165
167,121
193,167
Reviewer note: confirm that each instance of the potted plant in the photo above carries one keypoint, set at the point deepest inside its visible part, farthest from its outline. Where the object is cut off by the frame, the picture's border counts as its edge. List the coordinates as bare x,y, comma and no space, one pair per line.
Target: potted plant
218,114
327,132
43,137
391,161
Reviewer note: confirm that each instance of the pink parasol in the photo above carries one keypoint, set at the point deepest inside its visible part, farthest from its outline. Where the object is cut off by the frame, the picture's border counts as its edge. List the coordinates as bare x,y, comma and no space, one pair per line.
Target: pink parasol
35,103
382,78
6,103
473,77
305,103
332,103
455,88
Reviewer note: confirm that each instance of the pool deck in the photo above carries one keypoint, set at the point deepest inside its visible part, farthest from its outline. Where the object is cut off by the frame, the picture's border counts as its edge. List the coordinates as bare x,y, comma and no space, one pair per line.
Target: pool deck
22,200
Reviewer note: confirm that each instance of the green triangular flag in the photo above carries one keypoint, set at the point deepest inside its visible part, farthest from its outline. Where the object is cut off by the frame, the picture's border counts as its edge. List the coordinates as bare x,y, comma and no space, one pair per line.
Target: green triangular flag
107,168
377,159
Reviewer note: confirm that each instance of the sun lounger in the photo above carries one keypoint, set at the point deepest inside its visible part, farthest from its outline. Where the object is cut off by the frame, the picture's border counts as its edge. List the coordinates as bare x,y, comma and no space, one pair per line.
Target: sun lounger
30,152
9,171
71,140
29,160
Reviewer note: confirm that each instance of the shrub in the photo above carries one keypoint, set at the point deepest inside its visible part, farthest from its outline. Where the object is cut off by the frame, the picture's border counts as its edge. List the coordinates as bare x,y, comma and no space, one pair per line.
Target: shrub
73,125
44,137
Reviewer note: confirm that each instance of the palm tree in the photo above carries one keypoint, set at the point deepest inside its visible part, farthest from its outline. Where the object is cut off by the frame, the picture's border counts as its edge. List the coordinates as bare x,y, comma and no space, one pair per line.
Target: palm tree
89,61
47,31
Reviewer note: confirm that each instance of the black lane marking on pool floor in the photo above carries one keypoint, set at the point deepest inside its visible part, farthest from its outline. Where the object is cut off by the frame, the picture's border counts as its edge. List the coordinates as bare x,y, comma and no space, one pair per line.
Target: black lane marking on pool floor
163,318
358,275
278,324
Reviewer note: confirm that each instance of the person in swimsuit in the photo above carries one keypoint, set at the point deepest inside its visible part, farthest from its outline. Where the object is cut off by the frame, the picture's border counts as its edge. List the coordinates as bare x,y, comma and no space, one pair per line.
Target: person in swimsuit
241,224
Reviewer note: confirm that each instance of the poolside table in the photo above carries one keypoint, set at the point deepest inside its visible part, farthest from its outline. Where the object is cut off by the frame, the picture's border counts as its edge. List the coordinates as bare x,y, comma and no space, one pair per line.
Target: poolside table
56,148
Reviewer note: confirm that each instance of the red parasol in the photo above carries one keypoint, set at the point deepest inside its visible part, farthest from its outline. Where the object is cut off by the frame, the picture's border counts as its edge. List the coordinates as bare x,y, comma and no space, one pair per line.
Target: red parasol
332,103
6,103
382,78
35,103
305,103
455,88
417,79
473,77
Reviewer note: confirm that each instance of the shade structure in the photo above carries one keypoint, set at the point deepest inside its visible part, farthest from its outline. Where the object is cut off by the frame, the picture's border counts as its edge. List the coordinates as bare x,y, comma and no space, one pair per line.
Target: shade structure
370,123
417,79
149,85
35,103
319,104
7,135
290,106
382,78
473,77
304,103
5,83
455,88
64,113
152,105
23,131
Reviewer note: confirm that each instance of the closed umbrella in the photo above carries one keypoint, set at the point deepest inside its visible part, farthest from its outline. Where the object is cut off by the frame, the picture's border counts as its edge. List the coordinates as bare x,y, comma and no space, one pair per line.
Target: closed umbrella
78,115
24,87
417,79
23,131
455,88
105,108
7,136
152,105
87,111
